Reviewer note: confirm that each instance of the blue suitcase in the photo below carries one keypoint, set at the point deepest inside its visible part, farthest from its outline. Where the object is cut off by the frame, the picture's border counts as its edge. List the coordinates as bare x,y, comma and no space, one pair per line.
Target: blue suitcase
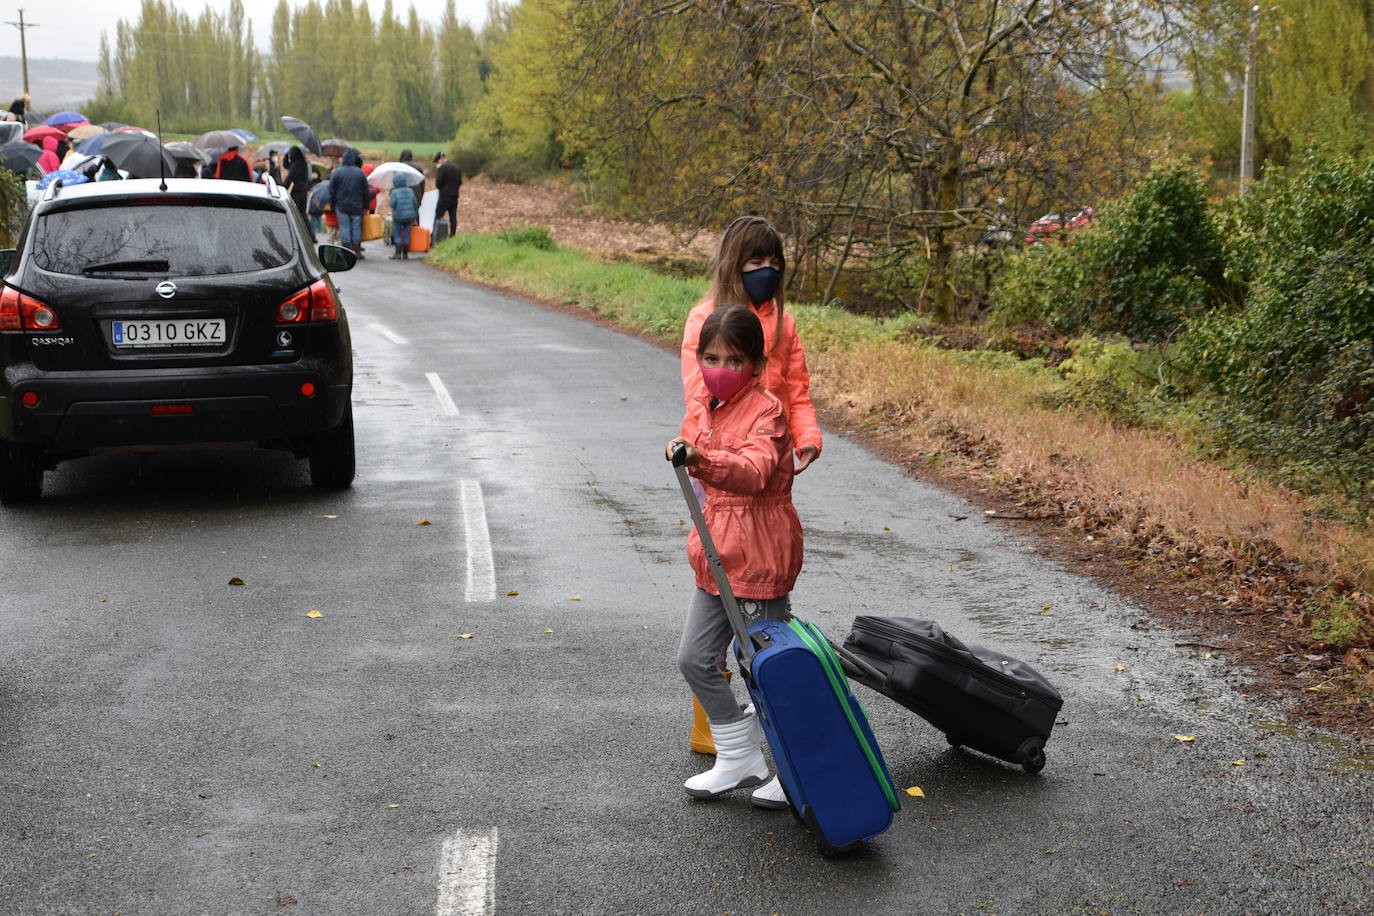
827,757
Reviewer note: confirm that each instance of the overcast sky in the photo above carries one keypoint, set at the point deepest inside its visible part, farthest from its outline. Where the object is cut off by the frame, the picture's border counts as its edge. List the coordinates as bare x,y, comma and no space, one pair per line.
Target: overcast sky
72,28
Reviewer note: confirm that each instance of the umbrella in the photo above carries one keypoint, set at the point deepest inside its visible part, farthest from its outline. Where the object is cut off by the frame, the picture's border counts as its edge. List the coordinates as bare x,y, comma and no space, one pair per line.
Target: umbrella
335,147
219,139
19,156
113,125
139,155
85,131
66,176
65,117
32,117
186,152
320,169
276,146
92,146
35,134
247,136
76,161
383,175
304,133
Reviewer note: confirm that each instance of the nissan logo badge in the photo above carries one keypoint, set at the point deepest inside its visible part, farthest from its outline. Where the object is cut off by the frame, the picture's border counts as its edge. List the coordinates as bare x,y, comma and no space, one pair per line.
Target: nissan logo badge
166,289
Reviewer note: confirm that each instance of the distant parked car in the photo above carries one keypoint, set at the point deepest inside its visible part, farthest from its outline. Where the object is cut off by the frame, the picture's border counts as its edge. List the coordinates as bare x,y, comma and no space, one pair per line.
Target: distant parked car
1053,225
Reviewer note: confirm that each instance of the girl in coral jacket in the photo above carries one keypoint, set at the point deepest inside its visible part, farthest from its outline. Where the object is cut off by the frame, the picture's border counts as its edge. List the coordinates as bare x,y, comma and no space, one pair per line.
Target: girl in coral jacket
749,269
740,450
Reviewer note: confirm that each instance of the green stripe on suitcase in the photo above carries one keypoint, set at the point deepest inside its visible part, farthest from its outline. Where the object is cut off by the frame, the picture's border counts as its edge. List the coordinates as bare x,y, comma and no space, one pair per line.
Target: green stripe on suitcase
820,647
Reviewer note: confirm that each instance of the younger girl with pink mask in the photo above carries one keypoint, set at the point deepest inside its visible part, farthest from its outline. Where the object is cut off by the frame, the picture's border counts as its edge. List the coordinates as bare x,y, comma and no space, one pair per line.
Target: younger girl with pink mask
740,449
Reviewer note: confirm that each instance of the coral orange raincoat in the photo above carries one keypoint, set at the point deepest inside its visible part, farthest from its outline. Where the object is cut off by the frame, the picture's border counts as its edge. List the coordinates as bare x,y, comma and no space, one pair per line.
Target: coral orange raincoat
785,374
746,467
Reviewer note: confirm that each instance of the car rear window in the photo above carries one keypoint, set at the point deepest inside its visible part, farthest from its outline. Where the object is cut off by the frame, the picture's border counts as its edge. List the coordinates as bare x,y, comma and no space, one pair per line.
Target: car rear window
196,239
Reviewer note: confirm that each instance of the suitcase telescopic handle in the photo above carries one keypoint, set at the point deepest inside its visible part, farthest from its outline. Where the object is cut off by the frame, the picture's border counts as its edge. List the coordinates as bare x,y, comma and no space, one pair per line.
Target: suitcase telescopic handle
708,546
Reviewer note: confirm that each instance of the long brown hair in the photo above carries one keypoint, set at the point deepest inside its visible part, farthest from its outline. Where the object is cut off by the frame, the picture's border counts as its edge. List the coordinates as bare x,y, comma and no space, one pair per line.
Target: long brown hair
745,238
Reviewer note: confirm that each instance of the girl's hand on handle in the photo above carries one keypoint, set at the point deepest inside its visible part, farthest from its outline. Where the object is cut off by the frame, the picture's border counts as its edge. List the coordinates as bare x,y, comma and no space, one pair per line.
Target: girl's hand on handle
692,455
805,455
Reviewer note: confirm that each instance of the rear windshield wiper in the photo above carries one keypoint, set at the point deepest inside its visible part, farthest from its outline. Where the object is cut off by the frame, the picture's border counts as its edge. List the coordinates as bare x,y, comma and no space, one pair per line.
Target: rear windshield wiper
139,264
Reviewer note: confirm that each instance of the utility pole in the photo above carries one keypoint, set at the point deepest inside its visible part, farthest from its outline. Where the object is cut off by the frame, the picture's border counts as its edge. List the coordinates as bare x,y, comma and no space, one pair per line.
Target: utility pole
21,25
1247,123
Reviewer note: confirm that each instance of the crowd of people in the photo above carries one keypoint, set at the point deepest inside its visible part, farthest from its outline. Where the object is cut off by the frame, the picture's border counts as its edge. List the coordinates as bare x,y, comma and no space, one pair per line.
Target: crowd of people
330,200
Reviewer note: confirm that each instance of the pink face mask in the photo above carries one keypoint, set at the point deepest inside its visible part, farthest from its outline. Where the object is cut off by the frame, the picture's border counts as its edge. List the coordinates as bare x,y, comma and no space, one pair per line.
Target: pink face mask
725,383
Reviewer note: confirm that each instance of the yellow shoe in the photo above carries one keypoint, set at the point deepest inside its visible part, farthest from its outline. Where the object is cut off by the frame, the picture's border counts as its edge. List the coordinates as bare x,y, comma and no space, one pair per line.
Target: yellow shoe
701,741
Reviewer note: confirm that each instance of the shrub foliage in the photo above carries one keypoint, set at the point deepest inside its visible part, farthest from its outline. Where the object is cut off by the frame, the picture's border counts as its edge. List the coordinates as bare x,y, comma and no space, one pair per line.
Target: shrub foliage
1153,260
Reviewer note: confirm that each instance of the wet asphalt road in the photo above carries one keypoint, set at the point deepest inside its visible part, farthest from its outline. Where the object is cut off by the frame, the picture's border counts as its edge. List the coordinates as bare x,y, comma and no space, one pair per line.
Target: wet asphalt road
172,744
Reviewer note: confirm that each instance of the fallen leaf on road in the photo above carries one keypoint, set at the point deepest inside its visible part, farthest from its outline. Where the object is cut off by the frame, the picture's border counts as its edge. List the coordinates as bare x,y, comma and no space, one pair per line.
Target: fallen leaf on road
314,614
236,581
575,598
1119,667
1185,738
465,636
887,527
328,516
915,792
393,806
1237,763
625,398
315,764
512,593
1045,607
548,629
424,521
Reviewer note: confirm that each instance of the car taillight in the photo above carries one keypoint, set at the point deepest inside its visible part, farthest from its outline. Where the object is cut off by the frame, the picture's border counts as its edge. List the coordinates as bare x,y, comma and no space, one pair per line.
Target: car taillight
18,311
314,303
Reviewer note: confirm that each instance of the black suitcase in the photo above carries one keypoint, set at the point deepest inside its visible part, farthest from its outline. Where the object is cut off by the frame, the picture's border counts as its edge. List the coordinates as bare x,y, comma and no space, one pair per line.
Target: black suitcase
979,698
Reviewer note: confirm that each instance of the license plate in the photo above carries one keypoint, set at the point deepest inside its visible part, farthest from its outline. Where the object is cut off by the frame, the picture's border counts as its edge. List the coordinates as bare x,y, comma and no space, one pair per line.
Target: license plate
182,332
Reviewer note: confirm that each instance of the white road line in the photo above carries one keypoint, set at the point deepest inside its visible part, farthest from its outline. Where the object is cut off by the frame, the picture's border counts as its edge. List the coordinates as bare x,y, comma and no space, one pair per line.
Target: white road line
387,333
445,400
467,874
481,581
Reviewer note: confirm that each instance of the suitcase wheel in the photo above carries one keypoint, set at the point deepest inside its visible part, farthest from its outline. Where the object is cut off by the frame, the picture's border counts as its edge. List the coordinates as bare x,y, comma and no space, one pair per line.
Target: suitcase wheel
1032,754
808,817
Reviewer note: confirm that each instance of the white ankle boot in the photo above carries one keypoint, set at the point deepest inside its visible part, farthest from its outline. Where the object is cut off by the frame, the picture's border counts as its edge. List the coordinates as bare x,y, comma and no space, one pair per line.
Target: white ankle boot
770,796
739,760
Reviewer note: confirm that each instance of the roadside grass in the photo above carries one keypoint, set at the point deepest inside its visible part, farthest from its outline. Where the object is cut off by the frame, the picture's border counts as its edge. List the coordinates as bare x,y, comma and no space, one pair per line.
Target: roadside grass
993,418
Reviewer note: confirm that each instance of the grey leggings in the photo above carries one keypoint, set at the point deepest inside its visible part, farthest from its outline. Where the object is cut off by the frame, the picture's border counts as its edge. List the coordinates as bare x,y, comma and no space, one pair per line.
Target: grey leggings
704,641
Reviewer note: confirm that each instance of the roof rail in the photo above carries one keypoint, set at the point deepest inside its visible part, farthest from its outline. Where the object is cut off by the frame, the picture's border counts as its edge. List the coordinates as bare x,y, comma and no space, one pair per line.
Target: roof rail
53,189
273,188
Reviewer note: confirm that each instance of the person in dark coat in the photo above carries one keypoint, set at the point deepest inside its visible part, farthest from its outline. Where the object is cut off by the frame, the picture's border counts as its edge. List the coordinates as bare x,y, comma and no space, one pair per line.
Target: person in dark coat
18,107
233,166
447,181
349,192
297,183
409,159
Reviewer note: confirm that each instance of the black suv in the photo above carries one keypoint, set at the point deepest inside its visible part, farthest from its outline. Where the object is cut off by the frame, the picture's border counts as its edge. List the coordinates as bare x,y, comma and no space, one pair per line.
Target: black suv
139,314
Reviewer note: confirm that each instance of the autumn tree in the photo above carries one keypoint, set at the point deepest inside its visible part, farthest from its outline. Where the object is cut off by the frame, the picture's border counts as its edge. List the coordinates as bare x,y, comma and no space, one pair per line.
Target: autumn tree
882,127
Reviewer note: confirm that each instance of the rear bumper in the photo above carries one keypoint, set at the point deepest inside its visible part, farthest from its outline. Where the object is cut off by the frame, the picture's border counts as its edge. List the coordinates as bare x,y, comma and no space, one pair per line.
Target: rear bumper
259,404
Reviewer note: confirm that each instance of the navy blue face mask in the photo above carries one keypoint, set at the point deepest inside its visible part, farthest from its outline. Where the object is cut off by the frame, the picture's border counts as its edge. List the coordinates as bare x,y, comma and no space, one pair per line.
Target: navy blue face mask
761,284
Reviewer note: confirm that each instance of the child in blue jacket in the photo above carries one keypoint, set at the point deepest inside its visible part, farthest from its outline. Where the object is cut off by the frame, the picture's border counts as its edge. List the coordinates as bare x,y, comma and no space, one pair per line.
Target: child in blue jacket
405,209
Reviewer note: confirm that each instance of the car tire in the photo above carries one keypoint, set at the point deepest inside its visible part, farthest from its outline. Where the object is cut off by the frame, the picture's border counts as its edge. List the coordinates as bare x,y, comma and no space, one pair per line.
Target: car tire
332,458
21,473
